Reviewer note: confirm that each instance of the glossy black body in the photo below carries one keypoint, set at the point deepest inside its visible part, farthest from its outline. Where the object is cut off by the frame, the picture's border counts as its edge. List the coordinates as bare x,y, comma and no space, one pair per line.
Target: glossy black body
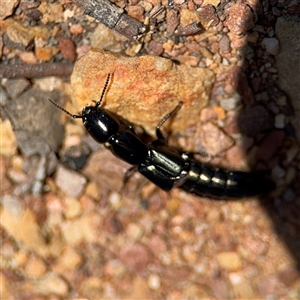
166,166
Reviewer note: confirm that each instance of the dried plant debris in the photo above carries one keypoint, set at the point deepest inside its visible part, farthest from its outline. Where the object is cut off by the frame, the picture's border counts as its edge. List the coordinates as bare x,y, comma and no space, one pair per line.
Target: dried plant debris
113,17
74,234
37,70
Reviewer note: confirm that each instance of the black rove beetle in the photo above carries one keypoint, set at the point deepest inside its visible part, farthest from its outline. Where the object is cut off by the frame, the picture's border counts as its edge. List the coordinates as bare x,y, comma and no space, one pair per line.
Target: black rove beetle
166,166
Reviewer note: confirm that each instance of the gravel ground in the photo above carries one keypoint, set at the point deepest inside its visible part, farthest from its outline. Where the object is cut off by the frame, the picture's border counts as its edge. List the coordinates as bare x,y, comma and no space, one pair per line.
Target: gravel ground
68,228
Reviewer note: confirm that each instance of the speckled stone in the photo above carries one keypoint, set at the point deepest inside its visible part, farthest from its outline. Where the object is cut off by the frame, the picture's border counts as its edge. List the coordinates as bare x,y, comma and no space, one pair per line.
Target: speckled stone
142,89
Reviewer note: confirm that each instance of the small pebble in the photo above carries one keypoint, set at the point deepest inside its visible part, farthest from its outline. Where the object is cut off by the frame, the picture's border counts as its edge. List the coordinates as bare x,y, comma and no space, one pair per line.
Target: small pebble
154,282
15,87
76,29
35,267
231,103
207,114
7,8
51,12
28,57
243,289
82,229
271,45
52,284
289,276
92,191
67,48
224,44
189,254
157,245
135,257
134,231
17,176
276,12
219,110
136,12
114,268
221,288
73,207
104,38
69,182
19,34
17,162
115,200
68,14
267,286
230,261
240,18
70,258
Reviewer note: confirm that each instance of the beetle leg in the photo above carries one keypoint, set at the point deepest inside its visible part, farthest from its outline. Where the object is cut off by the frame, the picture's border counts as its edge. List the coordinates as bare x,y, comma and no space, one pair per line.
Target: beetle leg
159,134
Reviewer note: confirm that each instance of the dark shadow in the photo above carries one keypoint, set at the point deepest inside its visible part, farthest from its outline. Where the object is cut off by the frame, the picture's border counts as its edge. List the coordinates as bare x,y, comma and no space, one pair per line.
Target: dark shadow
262,98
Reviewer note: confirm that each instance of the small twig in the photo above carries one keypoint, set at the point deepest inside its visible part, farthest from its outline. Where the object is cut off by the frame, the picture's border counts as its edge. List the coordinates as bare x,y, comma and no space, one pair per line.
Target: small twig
36,70
112,16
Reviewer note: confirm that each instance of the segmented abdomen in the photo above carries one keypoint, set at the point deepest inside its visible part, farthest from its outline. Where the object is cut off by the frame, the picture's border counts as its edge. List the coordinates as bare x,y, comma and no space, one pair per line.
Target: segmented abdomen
208,181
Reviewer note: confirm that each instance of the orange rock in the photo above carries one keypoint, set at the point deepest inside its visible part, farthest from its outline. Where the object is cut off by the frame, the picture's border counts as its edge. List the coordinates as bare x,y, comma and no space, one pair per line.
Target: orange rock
45,53
142,89
219,111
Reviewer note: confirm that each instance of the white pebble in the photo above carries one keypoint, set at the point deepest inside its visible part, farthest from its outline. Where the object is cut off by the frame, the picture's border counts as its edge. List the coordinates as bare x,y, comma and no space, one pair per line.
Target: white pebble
154,282
115,200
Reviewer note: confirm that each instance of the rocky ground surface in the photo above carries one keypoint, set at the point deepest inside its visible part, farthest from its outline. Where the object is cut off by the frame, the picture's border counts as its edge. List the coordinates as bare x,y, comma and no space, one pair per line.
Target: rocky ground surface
68,232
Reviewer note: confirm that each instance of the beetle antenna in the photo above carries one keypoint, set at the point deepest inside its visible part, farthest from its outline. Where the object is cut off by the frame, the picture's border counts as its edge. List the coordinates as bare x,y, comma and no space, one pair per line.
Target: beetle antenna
64,110
104,90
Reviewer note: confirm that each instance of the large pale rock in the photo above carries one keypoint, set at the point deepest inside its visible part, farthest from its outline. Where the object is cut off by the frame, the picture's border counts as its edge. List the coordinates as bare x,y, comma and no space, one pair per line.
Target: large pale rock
142,89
